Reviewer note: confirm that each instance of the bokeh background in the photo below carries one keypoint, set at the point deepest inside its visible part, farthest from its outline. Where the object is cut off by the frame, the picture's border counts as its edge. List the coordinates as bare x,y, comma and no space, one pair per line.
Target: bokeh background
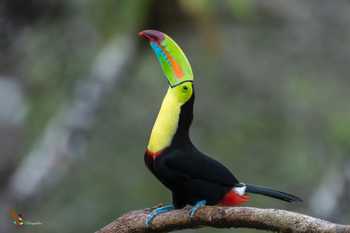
79,92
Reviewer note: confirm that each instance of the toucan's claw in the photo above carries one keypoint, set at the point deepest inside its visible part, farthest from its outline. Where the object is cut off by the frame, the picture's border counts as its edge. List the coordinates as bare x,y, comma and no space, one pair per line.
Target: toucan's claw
155,207
196,207
156,212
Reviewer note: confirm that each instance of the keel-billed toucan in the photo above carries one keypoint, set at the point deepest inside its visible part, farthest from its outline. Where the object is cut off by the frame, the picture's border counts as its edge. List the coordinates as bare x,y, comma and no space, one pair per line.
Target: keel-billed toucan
193,177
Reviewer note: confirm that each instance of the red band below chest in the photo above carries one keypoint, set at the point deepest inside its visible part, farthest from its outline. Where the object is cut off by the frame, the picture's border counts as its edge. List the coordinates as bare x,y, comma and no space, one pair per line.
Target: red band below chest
153,155
233,199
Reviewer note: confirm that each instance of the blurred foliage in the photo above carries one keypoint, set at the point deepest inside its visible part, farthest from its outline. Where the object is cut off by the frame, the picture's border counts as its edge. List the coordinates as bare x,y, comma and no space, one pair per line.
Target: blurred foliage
271,97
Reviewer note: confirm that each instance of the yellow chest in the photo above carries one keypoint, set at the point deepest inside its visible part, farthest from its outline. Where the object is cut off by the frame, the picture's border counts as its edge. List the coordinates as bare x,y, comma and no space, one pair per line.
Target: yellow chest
166,124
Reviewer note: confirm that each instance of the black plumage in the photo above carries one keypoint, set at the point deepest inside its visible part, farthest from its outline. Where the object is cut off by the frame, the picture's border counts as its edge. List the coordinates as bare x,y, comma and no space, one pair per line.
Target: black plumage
188,173
193,176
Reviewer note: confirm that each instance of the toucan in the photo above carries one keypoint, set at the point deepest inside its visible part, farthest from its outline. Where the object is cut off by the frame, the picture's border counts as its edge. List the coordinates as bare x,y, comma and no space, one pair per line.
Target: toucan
193,178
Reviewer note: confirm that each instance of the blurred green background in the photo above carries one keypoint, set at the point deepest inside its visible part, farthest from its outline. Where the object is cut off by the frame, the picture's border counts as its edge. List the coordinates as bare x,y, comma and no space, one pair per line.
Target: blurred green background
79,92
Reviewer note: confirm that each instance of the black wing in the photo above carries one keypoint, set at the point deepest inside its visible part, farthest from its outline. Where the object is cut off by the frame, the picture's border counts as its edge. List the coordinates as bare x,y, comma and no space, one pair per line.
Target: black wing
196,165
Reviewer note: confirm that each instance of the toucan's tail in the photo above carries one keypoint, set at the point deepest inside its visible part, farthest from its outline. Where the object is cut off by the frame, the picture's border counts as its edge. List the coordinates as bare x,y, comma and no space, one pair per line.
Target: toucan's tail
272,193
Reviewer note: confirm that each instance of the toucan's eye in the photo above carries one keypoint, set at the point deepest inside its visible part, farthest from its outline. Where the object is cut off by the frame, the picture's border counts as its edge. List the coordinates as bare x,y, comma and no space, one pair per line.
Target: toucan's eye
185,88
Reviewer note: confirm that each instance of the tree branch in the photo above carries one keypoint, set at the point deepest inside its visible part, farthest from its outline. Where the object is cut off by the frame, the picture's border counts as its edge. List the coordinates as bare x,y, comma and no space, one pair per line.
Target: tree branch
224,217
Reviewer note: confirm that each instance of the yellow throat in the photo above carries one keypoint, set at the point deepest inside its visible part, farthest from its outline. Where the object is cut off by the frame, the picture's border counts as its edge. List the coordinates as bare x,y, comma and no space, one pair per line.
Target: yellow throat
166,123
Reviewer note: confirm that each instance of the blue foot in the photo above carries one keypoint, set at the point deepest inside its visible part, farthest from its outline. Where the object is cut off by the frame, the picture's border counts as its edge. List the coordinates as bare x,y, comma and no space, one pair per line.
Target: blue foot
158,211
196,207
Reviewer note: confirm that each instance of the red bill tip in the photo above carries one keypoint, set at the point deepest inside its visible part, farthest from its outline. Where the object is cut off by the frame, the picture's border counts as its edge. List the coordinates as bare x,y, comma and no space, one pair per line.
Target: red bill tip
152,35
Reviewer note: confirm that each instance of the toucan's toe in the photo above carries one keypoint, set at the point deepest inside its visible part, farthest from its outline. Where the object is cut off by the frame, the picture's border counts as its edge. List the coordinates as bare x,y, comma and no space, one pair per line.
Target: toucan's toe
196,207
157,212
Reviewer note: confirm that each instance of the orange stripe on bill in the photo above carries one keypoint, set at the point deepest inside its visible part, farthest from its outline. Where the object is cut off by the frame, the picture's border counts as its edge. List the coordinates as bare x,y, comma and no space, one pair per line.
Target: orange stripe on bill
178,71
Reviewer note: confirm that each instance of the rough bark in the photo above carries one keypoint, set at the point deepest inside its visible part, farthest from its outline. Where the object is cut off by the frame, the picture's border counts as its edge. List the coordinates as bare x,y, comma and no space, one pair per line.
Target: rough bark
224,217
